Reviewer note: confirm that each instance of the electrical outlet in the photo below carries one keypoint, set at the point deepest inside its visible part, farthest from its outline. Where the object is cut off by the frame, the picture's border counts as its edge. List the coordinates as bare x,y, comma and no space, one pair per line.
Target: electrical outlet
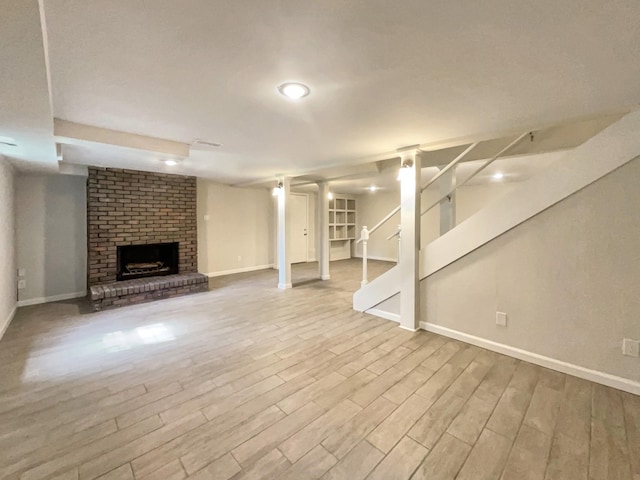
22,272
206,218
22,284
631,347
501,319
239,258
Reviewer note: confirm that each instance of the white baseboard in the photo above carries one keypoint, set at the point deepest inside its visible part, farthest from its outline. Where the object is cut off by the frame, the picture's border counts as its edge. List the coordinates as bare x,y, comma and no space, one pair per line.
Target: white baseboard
53,298
409,329
577,371
375,257
239,270
382,314
8,321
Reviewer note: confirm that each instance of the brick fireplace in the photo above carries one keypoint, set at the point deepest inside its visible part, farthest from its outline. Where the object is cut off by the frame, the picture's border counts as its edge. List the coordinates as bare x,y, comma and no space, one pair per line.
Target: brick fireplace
128,207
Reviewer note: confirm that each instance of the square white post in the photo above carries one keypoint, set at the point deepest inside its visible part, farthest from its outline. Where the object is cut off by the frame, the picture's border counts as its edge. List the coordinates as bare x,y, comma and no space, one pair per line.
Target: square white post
284,233
323,245
409,261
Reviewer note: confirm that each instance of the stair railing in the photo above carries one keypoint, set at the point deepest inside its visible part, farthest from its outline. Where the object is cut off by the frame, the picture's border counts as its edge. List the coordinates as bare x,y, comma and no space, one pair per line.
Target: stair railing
366,233
477,171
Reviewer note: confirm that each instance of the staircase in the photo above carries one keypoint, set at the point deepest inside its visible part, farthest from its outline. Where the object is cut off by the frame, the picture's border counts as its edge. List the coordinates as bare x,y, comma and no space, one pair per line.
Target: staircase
603,153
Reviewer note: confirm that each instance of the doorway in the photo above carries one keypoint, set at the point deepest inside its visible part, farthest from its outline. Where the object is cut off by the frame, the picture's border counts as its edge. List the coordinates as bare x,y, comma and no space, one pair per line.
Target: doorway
299,236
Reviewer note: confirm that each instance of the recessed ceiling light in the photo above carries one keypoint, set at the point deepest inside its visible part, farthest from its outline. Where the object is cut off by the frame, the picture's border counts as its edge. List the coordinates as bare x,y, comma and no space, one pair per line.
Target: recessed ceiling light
10,142
294,90
170,162
498,176
330,196
373,188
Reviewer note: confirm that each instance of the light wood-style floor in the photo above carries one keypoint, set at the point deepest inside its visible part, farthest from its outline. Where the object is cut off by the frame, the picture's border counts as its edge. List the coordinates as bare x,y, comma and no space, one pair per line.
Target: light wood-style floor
249,382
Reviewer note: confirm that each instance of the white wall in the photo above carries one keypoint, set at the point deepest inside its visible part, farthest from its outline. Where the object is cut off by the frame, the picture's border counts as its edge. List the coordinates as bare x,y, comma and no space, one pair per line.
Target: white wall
568,279
51,216
372,207
7,245
472,199
239,224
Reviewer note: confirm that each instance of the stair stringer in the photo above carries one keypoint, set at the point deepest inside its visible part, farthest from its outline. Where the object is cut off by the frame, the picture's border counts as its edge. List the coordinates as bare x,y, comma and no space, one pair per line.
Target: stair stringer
605,152
378,290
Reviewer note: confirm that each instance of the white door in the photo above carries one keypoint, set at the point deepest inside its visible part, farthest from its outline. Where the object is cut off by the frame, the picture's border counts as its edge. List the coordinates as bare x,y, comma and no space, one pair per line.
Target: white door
299,226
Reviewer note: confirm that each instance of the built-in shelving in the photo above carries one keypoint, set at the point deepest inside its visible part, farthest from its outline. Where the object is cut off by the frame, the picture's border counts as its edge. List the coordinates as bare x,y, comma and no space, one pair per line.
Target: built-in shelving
342,219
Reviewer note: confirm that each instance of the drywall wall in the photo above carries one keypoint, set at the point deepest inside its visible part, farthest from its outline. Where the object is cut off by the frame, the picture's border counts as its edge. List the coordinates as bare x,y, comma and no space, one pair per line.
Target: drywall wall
51,212
235,228
7,245
567,279
372,207
471,199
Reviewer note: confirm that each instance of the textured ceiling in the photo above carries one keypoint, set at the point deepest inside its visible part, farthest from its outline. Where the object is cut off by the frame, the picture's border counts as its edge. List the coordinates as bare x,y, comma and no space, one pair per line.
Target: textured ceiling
383,74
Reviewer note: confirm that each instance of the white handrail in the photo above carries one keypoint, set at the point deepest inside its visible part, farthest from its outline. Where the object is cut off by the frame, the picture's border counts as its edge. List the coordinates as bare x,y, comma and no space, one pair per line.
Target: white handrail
394,234
398,233
452,164
364,236
381,222
449,166
482,167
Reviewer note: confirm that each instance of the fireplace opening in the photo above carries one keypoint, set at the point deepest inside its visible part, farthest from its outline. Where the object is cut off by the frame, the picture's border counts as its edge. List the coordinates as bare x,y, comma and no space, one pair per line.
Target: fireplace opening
137,261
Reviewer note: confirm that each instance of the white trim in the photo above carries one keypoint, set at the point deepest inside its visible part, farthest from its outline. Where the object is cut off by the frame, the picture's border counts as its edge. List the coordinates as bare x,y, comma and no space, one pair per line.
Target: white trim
284,286
605,152
382,314
376,257
9,320
53,298
569,368
408,329
240,270
602,154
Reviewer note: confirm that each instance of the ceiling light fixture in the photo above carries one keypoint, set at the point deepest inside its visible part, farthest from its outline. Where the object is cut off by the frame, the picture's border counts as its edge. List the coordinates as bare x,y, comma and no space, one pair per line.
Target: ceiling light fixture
170,163
330,196
405,170
498,176
294,90
277,189
373,188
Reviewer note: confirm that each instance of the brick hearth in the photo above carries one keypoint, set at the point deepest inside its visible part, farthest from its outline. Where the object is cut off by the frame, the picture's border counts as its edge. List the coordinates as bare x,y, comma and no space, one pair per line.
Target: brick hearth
129,292
128,207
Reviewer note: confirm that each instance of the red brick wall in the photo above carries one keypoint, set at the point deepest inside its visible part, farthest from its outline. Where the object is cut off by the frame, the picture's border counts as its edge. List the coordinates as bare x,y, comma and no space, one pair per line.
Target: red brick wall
127,207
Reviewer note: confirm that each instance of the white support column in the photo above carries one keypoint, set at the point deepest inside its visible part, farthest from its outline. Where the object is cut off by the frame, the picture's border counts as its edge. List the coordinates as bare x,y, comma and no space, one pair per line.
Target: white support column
284,231
409,261
323,246
446,183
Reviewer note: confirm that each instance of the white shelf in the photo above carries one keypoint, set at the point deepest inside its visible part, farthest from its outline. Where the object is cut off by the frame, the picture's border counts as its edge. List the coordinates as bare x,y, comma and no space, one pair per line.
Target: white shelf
342,219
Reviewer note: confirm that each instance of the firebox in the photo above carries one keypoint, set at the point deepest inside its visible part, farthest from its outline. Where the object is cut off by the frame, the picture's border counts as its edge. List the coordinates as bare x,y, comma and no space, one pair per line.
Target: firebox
137,261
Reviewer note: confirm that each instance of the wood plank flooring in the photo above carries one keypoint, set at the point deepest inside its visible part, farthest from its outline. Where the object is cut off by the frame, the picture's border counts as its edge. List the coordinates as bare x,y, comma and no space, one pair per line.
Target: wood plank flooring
249,382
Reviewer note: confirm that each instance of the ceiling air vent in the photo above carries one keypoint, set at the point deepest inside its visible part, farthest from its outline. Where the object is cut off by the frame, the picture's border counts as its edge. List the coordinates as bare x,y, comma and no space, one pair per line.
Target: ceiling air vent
204,143
8,141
